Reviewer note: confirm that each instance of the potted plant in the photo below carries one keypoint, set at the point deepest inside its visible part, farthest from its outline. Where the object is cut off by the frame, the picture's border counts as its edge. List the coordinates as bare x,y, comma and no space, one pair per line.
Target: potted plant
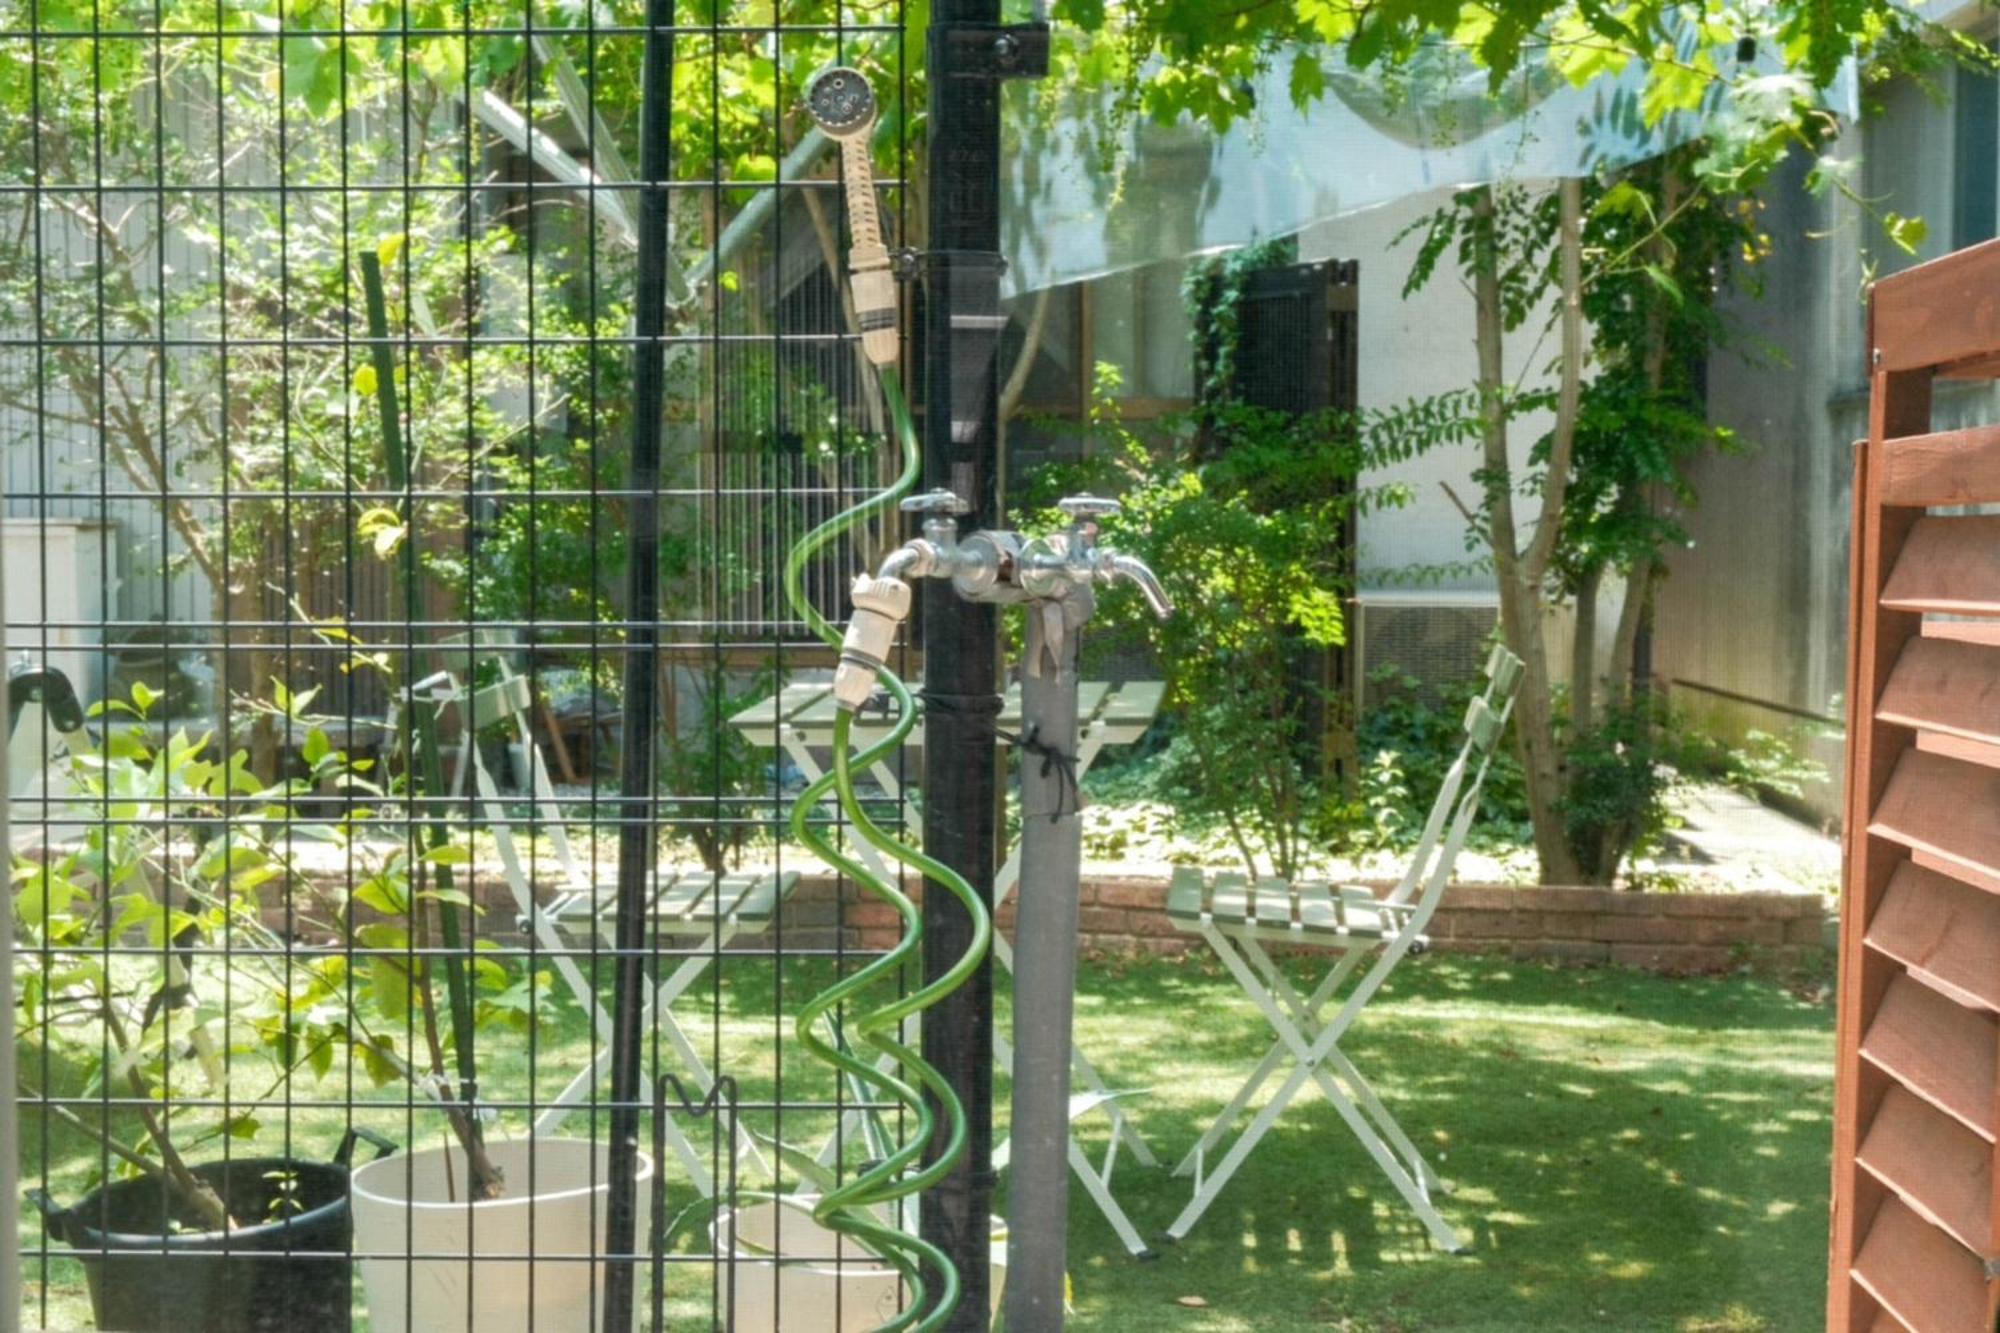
444,1233
179,846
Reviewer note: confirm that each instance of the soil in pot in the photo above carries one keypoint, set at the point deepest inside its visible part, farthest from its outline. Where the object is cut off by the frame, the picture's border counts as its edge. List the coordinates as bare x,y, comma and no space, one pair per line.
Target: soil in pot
288,1274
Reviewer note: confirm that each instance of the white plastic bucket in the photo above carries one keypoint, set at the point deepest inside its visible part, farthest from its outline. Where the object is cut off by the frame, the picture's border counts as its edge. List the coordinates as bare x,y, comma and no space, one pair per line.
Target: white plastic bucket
802,1296
402,1209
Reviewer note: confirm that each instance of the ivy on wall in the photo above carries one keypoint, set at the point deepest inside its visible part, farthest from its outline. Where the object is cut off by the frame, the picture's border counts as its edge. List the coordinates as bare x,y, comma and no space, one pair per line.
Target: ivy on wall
1212,294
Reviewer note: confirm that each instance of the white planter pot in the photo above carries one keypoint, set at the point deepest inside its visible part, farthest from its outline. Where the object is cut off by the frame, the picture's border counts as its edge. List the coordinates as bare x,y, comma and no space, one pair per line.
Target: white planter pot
801,1296
402,1209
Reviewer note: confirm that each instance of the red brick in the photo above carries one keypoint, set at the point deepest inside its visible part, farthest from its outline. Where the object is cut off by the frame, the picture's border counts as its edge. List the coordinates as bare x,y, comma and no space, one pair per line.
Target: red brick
1641,930
1101,921
1726,930
1495,925
1151,923
1481,898
1127,893
1570,901
1708,905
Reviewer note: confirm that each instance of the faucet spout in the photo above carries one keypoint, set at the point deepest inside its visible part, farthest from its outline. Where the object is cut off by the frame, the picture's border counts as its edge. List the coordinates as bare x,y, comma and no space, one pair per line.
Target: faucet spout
1134,569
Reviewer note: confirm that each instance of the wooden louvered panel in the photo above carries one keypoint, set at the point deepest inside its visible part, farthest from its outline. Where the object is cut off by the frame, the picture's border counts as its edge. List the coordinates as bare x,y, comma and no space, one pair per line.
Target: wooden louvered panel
1943,1052
1952,467
1915,1210
1949,565
1928,1280
1939,1168
1983,753
1964,631
1946,807
1945,932
1945,685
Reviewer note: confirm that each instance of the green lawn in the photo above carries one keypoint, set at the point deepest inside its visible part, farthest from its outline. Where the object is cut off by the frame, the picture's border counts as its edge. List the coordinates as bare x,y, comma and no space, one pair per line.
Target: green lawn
1628,1152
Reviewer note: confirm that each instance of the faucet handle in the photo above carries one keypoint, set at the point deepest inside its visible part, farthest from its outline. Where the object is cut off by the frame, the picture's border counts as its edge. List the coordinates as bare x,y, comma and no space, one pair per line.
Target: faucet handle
1083,508
938,501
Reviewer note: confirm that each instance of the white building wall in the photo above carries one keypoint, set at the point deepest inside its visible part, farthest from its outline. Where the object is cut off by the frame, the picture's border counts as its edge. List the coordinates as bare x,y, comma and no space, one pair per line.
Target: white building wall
1415,348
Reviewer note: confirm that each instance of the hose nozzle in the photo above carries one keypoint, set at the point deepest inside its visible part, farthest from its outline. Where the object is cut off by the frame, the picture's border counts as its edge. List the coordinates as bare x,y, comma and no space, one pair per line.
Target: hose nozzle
842,104
880,605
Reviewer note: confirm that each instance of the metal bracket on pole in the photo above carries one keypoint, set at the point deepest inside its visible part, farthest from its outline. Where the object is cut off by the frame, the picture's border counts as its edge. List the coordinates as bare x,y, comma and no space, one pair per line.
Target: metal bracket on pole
968,50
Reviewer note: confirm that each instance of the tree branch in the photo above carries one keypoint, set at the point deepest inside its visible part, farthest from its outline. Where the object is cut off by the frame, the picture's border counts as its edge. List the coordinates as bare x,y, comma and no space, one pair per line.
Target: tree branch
1569,390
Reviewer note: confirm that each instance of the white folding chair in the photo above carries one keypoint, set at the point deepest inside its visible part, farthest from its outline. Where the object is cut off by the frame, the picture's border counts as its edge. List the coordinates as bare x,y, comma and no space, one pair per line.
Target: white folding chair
1239,920
706,911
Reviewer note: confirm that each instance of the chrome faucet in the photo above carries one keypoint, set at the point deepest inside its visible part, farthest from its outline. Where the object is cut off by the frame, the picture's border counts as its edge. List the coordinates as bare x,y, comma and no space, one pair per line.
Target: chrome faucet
1074,557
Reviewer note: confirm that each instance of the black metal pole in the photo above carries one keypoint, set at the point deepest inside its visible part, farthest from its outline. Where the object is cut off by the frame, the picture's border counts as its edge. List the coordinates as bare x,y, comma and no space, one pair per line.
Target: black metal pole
961,639
642,662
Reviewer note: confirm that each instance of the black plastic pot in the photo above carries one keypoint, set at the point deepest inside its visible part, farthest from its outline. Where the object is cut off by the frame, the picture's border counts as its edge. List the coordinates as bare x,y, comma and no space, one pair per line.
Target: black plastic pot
292,1275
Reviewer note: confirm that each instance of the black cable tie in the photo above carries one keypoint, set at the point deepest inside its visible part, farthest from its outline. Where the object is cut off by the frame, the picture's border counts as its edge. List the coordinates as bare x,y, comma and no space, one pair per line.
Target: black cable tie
1053,760
986,708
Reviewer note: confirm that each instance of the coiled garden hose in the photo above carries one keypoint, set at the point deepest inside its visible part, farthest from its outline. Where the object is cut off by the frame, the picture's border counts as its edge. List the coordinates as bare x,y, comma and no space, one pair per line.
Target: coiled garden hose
858,1207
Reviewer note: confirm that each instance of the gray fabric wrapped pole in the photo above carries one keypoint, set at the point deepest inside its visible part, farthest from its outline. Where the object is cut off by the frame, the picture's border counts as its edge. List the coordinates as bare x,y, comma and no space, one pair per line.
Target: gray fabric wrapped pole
1045,967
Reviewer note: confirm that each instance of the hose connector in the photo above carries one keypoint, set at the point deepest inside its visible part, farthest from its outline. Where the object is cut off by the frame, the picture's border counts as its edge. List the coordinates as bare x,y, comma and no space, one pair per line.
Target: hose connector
880,605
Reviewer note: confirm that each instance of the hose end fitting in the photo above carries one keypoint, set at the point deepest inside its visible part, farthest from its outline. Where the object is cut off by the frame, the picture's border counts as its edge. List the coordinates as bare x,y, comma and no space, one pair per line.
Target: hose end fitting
880,605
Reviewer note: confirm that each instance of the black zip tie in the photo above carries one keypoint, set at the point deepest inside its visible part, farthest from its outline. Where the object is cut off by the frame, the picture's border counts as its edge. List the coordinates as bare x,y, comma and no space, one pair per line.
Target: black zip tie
1053,760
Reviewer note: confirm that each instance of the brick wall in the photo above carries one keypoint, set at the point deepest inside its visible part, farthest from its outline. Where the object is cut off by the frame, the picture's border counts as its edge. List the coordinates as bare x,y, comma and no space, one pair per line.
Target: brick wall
1663,932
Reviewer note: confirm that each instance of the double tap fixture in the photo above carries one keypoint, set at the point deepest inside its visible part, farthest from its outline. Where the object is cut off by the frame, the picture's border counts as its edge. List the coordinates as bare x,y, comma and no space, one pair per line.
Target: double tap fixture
1057,568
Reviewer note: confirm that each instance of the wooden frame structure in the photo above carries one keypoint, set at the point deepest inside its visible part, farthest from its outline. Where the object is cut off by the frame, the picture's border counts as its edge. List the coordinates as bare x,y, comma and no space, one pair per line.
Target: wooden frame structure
1916,1193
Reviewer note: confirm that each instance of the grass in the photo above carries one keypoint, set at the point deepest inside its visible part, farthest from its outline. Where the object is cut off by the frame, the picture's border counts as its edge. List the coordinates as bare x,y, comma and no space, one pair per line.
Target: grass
1627,1151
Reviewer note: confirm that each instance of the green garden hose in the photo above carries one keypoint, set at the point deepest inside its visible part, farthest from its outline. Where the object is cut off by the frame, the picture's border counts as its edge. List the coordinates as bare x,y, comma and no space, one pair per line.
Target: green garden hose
857,1208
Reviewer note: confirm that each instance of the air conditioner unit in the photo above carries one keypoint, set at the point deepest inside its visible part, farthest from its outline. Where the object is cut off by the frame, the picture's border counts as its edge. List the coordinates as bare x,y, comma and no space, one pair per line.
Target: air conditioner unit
1439,639
57,591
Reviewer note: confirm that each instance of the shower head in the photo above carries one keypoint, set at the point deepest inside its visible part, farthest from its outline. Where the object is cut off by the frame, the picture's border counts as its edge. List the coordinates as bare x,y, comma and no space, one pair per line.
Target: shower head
843,106
841,103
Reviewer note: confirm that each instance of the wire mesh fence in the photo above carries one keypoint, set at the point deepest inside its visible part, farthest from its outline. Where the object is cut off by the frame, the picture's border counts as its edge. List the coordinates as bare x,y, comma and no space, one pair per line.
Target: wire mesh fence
316,360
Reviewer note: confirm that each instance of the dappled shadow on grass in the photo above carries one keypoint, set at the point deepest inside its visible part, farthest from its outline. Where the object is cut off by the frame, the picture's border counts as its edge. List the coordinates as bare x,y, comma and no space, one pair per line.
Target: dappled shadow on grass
1627,1151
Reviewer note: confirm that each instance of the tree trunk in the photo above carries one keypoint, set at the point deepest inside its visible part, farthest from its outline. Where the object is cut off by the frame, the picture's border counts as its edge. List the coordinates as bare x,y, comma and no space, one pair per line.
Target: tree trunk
1521,573
1583,652
1638,592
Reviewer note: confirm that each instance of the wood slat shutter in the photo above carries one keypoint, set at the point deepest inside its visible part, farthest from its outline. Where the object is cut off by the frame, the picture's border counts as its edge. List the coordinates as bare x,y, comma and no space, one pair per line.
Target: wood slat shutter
1916,1189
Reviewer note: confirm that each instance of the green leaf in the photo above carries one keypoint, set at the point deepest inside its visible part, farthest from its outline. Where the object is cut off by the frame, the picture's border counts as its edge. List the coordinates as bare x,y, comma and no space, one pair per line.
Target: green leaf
385,893
316,747
390,985
1908,233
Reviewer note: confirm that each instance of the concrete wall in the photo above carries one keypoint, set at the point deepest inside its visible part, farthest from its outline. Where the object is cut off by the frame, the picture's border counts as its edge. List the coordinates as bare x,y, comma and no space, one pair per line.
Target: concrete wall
1752,622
